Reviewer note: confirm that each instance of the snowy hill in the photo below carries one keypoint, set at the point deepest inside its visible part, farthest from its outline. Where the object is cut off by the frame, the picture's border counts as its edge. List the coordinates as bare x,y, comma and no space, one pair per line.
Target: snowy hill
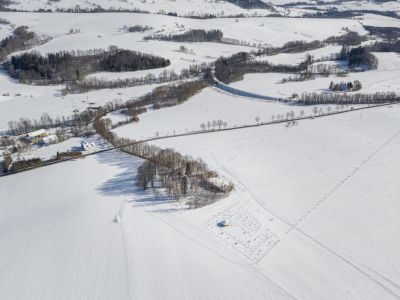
180,7
310,205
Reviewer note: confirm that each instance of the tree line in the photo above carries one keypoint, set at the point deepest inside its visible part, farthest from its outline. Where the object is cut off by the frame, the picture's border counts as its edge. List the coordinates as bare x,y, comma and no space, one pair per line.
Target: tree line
190,36
180,176
390,34
95,83
345,98
385,46
162,96
350,38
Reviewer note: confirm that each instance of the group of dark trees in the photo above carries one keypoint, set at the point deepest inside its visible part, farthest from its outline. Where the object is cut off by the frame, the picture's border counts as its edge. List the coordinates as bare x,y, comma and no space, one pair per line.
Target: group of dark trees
251,4
389,46
137,28
290,47
126,60
387,33
180,176
173,94
345,86
233,68
331,14
350,38
191,36
21,39
359,57
4,4
55,68
344,98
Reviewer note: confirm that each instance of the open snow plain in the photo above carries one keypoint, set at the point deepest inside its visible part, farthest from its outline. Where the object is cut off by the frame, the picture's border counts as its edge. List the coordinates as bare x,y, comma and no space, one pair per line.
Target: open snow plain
314,213
330,183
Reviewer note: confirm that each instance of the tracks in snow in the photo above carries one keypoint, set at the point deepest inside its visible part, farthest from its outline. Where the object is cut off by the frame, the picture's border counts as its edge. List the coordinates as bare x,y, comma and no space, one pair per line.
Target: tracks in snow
383,282
343,181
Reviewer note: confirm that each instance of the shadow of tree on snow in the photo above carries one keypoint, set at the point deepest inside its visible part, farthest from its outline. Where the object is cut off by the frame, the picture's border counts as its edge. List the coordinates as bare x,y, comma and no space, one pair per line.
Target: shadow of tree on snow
123,183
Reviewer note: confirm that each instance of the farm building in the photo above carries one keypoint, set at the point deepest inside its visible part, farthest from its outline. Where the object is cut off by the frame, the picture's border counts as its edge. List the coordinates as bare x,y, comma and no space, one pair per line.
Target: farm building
35,136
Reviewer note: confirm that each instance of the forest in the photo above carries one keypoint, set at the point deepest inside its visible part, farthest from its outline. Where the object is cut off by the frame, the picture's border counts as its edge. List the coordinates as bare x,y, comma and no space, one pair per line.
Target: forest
233,68
359,57
56,68
21,39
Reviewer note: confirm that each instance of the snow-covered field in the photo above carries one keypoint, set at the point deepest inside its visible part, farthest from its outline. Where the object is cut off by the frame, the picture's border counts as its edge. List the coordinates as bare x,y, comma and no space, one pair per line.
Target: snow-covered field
314,212
180,7
384,79
297,58
274,31
324,190
209,105
102,30
29,101
58,240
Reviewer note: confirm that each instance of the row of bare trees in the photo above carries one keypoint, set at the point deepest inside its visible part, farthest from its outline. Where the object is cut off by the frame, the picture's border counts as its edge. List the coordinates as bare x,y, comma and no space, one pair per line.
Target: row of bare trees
214,125
95,83
179,175
161,96
347,98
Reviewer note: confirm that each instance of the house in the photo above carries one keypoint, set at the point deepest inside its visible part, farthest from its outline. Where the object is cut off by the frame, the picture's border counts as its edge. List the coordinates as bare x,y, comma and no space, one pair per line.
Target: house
35,136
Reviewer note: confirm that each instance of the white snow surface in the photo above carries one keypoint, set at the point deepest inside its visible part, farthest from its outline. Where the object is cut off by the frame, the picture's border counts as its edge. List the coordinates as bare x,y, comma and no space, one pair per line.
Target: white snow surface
326,192
59,241
314,213
383,79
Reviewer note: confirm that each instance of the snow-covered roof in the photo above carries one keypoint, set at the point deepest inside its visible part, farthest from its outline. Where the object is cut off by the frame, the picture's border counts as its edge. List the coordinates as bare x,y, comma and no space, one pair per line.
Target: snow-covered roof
36,133
49,139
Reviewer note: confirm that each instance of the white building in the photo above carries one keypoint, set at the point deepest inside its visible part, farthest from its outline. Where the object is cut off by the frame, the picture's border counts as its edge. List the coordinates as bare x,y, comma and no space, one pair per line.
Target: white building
35,136
49,139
